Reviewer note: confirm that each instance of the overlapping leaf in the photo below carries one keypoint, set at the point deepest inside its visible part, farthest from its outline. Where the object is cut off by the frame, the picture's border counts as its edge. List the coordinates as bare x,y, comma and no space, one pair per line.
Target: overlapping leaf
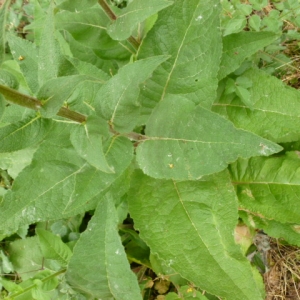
99,267
192,226
88,28
135,13
189,32
117,101
52,247
290,232
186,142
269,187
238,46
269,116
59,183
57,91
23,134
87,139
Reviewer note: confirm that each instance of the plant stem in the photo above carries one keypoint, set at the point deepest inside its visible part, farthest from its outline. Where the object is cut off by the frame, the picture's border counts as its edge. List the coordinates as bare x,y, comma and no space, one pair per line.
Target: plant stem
107,10
20,99
72,115
35,104
132,40
33,285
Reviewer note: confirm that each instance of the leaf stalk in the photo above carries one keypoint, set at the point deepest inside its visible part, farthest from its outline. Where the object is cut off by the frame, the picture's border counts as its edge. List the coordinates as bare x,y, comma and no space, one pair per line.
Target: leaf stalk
16,97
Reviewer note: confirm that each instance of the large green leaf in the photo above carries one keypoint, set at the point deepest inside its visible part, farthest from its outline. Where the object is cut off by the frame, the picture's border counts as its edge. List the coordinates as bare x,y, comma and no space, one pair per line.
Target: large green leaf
185,142
99,267
189,31
24,133
269,116
191,227
59,183
117,101
3,15
238,46
136,12
269,187
26,54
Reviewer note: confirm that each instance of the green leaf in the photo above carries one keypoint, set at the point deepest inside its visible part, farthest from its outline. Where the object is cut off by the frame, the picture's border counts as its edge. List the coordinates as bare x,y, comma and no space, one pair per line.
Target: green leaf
37,25
88,69
87,140
192,223
49,50
23,134
2,107
235,24
188,292
103,271
135,13
86,54
8,79
269,187
26,257
189,32
57,91
6,265
3,17
117,101
76,5
185,142
238,46
254,22
86,26
52,247
57,172
15,162
267,116
259,4
26,54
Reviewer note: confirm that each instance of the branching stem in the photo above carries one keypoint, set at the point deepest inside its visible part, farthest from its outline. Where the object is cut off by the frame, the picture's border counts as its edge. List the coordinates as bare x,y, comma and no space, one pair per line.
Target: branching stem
18,98
35,104
34,285
132,40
